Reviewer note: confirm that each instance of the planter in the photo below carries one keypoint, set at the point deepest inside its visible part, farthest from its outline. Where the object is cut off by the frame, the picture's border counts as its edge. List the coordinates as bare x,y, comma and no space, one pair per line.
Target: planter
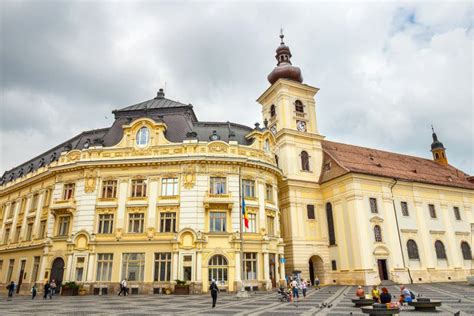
181,289
69,291
168,291
82,293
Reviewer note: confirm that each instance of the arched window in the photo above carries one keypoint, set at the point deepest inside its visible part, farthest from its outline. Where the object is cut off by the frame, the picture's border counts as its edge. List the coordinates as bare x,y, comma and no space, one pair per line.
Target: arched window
272,110
218,269
330,218
304,161
436,156
143,135
378,233
466,251
412,250
266,145
440,250
299,106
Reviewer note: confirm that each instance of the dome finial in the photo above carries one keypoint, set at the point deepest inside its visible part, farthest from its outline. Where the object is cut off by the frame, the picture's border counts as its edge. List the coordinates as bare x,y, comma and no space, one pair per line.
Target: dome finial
281,37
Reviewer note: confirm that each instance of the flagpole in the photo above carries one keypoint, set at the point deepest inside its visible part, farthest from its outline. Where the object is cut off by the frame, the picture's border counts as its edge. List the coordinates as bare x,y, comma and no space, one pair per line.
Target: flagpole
241,232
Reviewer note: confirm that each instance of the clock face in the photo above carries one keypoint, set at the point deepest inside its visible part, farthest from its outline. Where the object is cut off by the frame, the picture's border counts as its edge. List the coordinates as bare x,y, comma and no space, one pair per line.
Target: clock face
273,129
301,126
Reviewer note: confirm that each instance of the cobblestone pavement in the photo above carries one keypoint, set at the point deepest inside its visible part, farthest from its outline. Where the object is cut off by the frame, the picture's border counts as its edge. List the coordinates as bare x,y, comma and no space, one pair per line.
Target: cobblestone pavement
456,297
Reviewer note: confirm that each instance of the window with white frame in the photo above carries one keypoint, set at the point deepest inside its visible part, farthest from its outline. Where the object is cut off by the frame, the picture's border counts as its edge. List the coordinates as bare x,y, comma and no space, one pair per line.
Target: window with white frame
162,267
218,269
34,272
11,210
104,266
270,226
168,222
218,185
29,231
63,227
42,230
143,136
79,273
138,188
105,224
34,203
248,188
217,221
252,223
68,191
250,266
6,236
457,214
136,223
432,210
109,189
169,186
269,192
133,266
405,209
17,234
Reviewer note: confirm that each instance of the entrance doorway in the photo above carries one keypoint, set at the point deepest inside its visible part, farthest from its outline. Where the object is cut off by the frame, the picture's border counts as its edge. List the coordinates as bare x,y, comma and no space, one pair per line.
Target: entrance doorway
57,272
383,273
316,269
272,269
22,273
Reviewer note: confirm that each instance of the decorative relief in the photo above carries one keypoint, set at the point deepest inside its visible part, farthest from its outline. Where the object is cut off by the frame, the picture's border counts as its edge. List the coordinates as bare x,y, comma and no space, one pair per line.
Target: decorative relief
136,209
90,180
73,155
218,147
189,177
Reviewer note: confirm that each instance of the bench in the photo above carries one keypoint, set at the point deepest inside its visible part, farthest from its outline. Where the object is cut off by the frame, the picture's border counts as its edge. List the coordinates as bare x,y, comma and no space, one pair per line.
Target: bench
374,310
425,304
360,301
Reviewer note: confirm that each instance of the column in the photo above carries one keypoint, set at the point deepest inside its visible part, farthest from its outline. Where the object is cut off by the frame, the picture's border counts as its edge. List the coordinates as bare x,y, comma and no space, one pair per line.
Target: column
266,271
38,214
122,200
198,266
152,198
174,272
90,267
282,268
238,267
68,273
43,267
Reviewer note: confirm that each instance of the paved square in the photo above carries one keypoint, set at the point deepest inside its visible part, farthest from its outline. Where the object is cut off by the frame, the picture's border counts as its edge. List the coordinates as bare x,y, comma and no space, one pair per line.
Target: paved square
456,297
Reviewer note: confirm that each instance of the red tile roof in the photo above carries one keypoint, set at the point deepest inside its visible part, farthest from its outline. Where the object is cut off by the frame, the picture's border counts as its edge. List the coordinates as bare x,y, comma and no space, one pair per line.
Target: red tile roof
392,165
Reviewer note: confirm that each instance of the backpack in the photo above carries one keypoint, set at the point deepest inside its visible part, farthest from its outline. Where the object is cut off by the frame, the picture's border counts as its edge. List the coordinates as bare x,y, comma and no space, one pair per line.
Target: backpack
412,295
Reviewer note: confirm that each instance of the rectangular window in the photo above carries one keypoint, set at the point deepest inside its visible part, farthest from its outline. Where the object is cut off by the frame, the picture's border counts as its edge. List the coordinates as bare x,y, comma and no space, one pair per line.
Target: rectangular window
7,235
248,188
169,186
457,214
10,270
218,185
269,192
162,267
17,234
68,192
373,205
34,273
109,189
29,231
432,210
42,230
11,210
63,228
333,265
1,268
136,222
310,211
250,266
252,223
405,209
104,266
133,266
23,205
168,222
47,197
34,203
106,224
217,221
79,268
138,188
271,226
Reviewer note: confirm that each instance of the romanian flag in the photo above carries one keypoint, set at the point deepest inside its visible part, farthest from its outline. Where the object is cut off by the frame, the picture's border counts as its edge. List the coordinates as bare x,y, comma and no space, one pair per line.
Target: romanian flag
245,215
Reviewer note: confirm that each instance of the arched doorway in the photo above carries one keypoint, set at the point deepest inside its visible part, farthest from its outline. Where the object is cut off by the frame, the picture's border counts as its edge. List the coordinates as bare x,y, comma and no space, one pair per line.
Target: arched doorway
57,272
316,269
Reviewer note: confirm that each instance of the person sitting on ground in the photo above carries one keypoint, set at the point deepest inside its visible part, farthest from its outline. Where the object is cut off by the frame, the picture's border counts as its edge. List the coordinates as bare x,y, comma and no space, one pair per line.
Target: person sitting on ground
375,294
405,295
385,297
360,292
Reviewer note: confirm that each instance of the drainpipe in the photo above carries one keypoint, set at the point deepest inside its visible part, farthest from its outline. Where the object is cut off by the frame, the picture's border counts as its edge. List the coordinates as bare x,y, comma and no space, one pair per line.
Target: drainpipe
398,231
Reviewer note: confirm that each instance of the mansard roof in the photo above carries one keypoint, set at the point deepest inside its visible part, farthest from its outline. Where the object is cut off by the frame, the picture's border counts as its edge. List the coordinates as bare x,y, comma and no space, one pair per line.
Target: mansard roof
350,158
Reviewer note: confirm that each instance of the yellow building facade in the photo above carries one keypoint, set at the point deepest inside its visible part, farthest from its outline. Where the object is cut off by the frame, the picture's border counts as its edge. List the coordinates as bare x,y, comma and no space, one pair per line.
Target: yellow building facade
157,197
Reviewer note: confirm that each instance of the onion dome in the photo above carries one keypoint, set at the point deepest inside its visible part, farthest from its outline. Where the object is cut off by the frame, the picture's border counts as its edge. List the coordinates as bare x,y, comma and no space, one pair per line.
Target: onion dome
284,68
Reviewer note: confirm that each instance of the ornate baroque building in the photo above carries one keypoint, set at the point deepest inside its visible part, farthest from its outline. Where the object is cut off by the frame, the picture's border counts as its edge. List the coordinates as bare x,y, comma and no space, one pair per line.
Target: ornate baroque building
156,197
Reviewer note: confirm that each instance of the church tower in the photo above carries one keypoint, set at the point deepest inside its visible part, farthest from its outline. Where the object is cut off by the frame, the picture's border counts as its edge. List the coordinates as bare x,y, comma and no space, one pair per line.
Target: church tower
438,150
289,111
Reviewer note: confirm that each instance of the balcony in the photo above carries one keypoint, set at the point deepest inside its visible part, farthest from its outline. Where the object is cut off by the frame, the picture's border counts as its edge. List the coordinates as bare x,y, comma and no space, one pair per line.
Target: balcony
218,199
65,205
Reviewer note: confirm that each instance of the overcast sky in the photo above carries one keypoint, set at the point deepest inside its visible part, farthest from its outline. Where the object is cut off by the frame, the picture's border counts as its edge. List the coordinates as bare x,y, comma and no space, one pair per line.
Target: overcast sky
386,71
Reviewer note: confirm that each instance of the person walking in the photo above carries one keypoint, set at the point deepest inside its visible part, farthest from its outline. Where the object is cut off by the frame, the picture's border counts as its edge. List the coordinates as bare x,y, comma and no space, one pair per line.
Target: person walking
46,288
34,291
304,286
11,289
294,289
385,297
316,282
360,292
376,294
214,290
52,288
123,287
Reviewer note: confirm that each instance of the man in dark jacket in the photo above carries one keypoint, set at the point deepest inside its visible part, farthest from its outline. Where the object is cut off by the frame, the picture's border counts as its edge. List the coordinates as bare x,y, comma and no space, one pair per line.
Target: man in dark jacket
46,290
214,290
11,289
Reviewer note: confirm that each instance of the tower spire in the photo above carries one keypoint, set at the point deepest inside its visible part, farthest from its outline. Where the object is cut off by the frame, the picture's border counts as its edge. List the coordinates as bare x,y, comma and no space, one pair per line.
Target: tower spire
438,150
284,68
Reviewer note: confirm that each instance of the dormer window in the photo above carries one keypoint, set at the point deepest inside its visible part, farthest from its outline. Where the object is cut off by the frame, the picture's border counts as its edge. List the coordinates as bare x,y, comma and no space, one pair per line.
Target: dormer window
299,106
143,136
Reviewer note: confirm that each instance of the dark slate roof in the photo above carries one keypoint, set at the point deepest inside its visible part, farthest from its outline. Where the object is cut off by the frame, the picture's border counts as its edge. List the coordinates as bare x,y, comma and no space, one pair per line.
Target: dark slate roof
179,118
